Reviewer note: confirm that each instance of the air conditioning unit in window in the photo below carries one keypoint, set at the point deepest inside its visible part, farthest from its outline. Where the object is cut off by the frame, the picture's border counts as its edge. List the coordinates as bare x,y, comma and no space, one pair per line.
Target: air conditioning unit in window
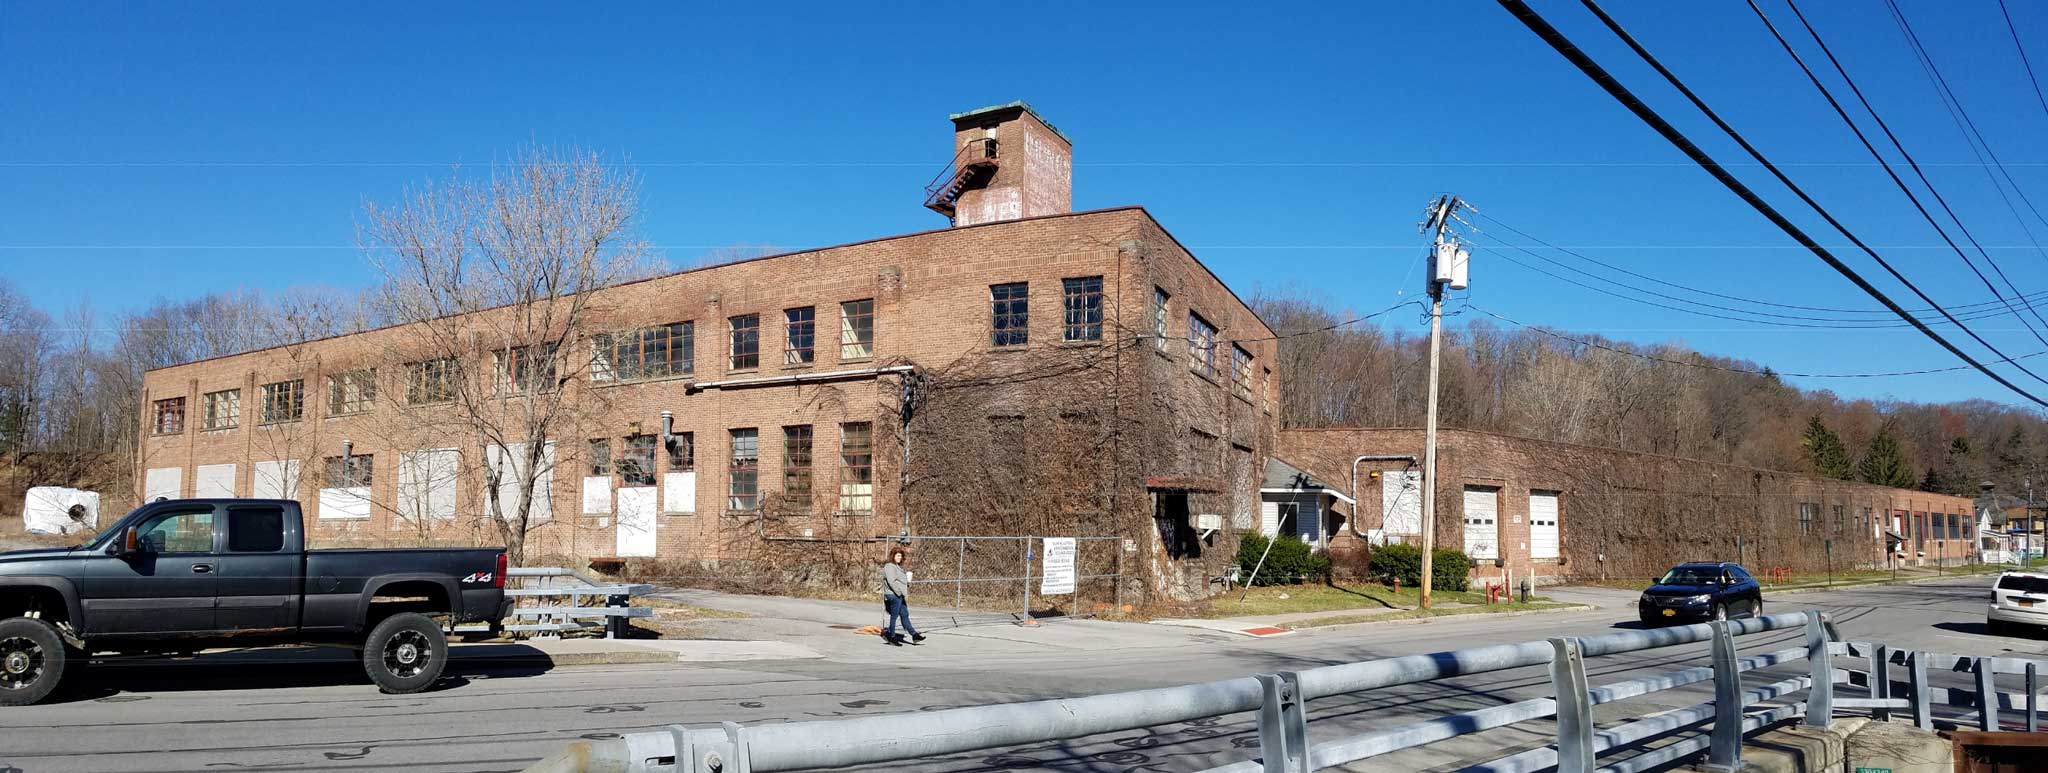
1208,522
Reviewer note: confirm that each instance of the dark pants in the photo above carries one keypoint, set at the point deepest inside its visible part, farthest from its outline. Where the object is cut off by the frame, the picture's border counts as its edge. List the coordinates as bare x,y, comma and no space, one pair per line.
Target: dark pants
898,610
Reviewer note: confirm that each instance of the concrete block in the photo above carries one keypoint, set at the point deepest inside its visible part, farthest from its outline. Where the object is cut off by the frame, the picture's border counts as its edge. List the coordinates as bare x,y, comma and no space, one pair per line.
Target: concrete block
1793,749
1900,747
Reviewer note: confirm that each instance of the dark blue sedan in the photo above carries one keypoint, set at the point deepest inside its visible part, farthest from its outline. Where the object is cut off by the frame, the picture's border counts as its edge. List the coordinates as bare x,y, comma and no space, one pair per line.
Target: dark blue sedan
1695,592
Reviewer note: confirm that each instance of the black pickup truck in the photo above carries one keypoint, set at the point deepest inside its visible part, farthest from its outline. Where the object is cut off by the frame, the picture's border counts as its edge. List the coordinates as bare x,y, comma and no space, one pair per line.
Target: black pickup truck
182,575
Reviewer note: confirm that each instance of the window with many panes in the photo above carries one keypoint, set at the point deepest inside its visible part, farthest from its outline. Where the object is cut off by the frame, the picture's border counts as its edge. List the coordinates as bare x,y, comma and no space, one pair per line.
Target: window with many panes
800,336
636,464
352,391
284,401
1081,298
661,351
430,381
524,369
1840,517
1201,345
350,471
1241,370
743,474
169,416
746,341
1266,389
600,456
857,329
1159,300
1808,513
221,410
856,467
682,453
796,465
1010,314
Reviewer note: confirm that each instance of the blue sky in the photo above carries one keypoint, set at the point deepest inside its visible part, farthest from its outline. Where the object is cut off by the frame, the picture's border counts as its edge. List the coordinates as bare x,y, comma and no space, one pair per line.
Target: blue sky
166,150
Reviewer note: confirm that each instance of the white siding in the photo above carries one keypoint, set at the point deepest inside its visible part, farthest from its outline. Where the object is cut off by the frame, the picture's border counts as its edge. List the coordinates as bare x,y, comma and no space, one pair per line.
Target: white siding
1269,518
1543,515
1482,522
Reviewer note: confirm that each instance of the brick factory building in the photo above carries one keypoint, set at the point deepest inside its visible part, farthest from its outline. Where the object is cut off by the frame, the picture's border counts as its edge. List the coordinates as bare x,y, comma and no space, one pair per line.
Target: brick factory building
1554,511
1077,374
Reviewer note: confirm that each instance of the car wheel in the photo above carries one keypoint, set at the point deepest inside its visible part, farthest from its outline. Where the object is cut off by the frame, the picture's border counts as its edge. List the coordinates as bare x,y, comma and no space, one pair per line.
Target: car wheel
1756,608
1720,612
405,653
32,659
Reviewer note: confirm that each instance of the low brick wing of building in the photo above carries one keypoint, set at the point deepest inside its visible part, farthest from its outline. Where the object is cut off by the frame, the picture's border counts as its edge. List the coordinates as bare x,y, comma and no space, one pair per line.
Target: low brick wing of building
1554,511
1071,374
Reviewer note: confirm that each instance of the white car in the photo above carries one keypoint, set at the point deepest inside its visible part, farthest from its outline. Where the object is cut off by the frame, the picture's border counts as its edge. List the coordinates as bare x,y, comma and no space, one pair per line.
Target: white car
2018,601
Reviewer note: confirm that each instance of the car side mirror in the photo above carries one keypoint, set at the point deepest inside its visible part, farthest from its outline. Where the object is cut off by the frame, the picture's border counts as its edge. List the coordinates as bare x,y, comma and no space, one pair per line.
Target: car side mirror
123,545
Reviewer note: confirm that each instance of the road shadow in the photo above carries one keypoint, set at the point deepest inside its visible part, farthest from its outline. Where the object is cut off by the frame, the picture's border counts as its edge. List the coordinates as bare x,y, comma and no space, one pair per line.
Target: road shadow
1980,628
118,681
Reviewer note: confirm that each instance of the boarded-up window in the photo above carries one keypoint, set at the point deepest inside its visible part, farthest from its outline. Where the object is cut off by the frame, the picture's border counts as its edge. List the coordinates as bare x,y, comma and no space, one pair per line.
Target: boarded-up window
1401,502
426,484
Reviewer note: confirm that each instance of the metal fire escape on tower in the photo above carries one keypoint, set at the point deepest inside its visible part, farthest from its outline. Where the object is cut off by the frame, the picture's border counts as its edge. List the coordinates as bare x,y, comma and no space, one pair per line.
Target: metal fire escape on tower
973,166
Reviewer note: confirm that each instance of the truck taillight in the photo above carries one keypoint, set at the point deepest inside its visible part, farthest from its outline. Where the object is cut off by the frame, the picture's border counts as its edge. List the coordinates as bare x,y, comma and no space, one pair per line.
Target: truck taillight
498,580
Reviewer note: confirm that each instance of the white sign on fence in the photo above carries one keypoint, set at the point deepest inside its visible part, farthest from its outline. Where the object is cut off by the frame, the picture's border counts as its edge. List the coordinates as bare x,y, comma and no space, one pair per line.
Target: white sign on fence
1059,567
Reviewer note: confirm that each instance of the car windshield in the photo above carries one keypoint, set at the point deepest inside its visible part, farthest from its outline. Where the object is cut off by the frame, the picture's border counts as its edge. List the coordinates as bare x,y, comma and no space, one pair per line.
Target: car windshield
96,538
1691,575
2023,583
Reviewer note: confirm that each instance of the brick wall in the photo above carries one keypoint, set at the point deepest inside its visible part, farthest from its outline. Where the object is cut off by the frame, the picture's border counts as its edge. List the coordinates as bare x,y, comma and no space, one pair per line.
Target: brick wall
931,309
1624,514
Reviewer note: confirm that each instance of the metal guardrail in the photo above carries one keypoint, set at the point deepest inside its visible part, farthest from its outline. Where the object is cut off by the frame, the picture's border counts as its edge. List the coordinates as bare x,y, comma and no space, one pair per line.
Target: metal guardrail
583,603
1281,700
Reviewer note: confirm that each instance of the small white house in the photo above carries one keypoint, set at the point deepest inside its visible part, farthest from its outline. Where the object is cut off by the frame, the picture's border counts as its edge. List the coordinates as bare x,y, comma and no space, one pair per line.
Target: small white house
1292,501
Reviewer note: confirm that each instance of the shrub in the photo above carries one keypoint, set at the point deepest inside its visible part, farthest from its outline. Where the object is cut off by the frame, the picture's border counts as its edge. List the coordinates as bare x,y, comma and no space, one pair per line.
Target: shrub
1289,561
1450,569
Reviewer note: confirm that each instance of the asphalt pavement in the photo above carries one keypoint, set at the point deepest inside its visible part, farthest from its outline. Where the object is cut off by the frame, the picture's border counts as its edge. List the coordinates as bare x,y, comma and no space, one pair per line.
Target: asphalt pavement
253,715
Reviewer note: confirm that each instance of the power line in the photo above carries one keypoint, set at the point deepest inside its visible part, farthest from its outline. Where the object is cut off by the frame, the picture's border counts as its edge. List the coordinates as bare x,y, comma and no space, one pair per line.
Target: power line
2038,96
1557,41
2036,295
1957,111
1892,173
1724,368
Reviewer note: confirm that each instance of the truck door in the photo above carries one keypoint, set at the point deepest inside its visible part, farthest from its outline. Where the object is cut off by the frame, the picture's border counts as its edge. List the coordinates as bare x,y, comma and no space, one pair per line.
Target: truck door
166,586
258,571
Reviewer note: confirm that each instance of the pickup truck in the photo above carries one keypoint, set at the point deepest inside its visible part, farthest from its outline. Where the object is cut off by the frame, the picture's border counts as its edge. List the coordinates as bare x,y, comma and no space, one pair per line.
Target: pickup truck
183,575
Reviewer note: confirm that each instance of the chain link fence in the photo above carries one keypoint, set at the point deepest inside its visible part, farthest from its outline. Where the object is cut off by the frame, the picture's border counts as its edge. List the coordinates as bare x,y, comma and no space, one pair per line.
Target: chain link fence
992,579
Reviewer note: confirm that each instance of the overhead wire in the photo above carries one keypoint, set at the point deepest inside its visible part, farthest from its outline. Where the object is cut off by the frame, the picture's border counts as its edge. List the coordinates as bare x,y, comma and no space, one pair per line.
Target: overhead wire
2024,63
1557,41
1908,156
1961,114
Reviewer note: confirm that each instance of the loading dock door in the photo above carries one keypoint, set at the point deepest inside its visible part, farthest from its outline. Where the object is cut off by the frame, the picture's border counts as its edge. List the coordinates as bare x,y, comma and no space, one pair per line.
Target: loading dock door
1482,519
1543,525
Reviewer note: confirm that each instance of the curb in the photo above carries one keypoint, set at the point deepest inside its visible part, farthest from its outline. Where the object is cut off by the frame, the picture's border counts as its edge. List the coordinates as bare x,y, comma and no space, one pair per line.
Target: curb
567,658
1434,618
1848,585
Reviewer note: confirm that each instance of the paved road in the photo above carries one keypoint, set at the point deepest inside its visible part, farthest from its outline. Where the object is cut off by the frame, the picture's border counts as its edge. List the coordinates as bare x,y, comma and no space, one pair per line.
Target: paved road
185,717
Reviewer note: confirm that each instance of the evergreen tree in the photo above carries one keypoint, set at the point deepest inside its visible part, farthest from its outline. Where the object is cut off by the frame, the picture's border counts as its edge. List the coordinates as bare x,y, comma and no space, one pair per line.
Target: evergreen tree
1824,450
1884,462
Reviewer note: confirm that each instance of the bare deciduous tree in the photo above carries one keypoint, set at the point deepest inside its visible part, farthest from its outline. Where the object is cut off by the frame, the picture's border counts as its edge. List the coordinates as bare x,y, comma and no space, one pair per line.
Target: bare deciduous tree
493,280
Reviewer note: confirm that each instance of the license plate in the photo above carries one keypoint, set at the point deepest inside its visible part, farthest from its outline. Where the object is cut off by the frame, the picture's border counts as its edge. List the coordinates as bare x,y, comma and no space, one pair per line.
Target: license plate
2024,602
1671,613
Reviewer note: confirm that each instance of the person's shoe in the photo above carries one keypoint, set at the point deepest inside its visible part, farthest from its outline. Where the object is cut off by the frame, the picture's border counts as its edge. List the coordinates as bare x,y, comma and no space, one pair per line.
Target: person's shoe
917,638
892,640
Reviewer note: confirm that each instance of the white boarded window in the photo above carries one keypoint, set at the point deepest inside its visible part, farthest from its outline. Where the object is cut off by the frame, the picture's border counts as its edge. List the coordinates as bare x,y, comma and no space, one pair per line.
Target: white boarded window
163,483
426,484
214,481
274,480
1401,502
509,460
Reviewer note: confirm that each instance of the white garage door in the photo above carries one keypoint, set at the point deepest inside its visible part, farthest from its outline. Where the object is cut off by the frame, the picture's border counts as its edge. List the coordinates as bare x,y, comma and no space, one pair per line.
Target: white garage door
1482,518
1543,525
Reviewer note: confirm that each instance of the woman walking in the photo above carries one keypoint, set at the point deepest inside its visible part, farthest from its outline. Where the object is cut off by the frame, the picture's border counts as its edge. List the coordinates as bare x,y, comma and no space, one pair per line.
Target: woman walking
895,598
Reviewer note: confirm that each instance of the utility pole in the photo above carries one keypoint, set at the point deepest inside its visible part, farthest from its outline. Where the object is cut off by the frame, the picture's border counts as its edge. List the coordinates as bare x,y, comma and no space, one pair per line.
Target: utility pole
1447,267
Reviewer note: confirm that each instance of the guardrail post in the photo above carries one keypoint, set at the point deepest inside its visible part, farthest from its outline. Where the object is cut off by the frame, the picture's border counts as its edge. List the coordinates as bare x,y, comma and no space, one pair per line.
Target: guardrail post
1725,753
1881,679
2033,687
686,755
1283,724
960,573
1987,695
1820,699
1916,674
741,758
1574,707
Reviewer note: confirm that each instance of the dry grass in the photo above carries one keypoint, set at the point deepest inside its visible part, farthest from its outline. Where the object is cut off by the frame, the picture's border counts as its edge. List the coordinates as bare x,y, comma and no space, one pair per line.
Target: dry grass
1291,599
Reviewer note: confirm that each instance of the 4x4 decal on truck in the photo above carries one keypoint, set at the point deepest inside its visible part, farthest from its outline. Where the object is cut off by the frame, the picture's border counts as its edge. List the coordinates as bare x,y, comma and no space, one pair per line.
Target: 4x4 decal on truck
479,578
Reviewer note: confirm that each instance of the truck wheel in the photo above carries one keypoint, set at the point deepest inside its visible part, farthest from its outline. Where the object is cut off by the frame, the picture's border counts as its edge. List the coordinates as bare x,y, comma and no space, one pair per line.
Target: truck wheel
405,653
32,658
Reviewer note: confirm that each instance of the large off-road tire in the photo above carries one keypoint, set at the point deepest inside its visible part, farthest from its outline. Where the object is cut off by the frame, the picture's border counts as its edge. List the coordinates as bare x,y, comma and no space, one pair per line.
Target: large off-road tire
405,653
32,660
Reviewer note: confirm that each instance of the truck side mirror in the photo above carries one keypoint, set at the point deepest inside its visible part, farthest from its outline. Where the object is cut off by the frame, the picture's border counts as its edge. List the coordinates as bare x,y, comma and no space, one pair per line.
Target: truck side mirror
122,545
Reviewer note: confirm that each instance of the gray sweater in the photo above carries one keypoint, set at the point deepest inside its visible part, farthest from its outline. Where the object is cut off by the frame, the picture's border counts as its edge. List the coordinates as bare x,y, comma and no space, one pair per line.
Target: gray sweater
895,581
